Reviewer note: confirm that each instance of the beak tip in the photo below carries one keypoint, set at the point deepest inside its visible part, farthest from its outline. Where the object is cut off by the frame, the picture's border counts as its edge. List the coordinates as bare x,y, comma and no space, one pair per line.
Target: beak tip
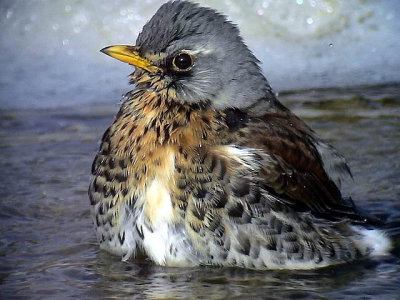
104,50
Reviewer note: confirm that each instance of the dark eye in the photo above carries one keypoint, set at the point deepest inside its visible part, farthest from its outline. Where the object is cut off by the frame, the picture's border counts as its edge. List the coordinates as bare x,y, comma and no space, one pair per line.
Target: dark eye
182,61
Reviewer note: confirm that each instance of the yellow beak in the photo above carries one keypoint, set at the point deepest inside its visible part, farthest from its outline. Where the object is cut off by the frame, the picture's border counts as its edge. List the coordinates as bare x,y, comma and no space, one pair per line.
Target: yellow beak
130,55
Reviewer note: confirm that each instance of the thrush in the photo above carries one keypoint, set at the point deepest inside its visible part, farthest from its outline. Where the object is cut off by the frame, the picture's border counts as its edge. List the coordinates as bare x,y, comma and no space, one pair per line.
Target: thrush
204,166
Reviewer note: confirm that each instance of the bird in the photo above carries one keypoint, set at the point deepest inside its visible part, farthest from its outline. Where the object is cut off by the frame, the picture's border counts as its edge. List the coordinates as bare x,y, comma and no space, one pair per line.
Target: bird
204,166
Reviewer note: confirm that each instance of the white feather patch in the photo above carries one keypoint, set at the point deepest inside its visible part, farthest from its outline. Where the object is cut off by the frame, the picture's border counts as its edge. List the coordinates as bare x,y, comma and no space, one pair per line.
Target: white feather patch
375,240
245,156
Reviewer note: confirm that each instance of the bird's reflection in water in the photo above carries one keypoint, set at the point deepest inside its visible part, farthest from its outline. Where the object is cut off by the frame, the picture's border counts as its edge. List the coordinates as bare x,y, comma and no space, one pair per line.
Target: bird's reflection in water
141,278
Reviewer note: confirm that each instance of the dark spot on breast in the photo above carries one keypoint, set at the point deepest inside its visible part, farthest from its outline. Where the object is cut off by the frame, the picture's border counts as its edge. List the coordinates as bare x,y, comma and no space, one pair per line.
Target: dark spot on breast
113,192
110,204
195,227
244,244
214,222
106,191
204,179
123,126
96,185
182,206
111,163
290,237
199,212
107,175
188,114
181,184
204,135
140,231
124,192
241,189
287,228
122,164
174,126
121,177
271,244
158,131
121,139
109,220
235,118
220,200
213,164
166,136
101,209
205,119
157,104
95,165
200,193
121,237
236,210
132,129
255,197
106,135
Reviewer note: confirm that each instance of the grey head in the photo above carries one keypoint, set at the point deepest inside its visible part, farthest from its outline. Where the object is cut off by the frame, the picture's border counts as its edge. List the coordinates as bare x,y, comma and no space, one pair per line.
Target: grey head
203,56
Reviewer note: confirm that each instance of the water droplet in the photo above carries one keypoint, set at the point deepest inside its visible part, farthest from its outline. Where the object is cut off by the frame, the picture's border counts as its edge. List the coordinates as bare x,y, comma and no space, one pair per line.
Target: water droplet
65,42
309,21
330,45
9,14
56,27
260,12
299,2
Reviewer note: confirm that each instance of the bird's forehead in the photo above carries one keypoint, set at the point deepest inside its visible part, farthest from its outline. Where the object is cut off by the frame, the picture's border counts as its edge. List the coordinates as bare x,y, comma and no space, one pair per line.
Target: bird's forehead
179,22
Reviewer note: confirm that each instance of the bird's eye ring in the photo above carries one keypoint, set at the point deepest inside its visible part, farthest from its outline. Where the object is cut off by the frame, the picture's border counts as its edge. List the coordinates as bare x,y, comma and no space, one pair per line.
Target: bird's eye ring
182,62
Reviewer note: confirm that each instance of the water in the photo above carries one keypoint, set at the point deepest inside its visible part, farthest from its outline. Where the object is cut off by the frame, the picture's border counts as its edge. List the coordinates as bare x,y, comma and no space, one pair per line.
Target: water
47,244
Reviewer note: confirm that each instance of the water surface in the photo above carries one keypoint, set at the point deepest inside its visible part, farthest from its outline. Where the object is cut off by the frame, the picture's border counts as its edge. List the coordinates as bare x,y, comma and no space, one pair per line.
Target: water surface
47,243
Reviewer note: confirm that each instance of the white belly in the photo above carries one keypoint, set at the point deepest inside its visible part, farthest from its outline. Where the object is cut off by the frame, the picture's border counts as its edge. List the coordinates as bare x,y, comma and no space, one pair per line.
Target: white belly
151,225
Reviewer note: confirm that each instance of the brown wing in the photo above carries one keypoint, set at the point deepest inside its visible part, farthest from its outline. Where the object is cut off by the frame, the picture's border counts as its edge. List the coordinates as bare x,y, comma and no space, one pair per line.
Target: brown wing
294,170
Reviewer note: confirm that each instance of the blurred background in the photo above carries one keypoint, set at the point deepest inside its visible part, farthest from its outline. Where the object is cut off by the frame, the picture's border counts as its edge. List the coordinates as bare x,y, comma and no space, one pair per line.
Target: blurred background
49,50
